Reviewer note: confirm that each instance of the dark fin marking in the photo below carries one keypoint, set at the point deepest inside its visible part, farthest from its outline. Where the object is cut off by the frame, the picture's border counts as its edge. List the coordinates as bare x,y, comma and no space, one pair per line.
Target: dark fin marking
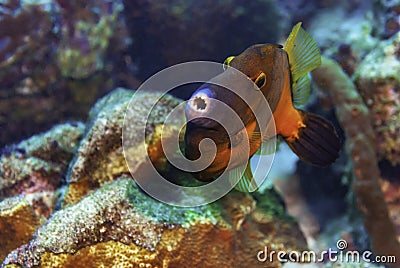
318,142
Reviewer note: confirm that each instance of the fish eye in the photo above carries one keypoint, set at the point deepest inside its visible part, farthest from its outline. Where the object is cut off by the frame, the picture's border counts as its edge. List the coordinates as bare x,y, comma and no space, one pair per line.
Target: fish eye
227,62
261,80
278,45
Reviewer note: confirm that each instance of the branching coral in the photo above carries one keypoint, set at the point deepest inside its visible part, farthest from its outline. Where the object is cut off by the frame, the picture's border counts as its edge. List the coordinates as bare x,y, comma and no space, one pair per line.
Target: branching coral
353,116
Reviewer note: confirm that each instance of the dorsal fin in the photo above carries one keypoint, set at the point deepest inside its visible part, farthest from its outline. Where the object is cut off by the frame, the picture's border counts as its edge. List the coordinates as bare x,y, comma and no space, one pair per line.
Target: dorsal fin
227,62
304,57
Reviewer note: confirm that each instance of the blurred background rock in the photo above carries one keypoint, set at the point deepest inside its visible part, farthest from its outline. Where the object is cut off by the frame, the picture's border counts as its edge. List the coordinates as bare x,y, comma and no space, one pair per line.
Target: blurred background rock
57,57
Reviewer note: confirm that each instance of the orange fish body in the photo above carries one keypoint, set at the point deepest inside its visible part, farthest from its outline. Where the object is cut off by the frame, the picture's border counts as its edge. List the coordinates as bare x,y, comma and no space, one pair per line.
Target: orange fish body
288,120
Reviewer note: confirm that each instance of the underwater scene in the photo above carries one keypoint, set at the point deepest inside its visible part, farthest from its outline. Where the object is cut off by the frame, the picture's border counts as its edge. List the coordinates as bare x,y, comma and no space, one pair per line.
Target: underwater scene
199,133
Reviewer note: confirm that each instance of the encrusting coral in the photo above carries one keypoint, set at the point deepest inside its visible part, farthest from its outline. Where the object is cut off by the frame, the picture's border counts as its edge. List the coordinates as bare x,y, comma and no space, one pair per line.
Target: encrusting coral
105,219
31,173
18,223
378,81
353,116
90,169
120,225
35,167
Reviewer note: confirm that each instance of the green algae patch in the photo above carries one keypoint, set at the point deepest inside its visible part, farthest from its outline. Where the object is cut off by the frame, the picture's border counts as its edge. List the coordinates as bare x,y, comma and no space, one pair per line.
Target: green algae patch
168,214
272,204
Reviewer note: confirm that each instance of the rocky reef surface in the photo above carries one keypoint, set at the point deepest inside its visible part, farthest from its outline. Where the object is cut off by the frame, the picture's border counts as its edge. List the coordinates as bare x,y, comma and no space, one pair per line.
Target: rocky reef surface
103,218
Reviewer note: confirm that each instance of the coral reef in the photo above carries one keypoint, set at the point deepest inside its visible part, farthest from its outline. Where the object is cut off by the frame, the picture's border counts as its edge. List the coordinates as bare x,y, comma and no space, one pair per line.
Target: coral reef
18,222
67,196
120,225
105,219
35,167
23,46
86,34
31,173
206,30
90,169
353,116
345,34
360,48
53,68
378,82
391,190
386,15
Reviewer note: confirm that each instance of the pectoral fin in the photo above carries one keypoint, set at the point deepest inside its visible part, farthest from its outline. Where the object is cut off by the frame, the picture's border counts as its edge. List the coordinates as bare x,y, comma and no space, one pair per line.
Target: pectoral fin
268,147
246,183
